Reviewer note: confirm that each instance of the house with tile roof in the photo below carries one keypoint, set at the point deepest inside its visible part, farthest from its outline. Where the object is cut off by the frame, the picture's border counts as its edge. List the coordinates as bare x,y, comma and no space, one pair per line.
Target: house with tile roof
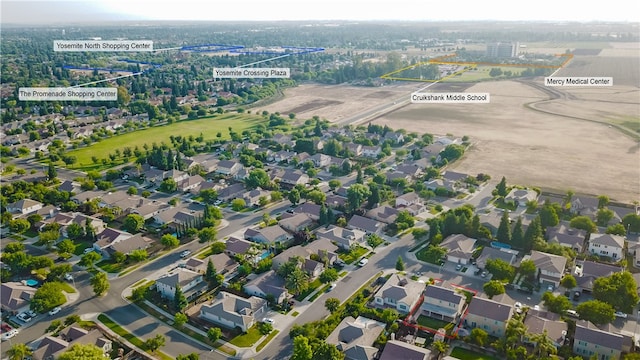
550,267
442,303
540,322
399,293
607,245
268,283
233,311
588,271
190,282
343,238
15,295
367,225
269,235
51,347
24,206
459,248
489,315
394,350
356,337
589,340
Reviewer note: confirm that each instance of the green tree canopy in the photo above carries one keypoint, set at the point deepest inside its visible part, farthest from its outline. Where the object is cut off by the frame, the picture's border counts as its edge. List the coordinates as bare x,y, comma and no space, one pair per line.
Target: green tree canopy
83,351
169,241
618,290
133,223
500,269
568,281
493,288
301,349
596,311
100,283
556,304
583,223
48,296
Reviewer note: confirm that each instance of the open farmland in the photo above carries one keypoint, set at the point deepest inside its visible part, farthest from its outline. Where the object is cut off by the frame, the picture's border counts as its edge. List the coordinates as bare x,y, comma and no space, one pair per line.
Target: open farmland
208,127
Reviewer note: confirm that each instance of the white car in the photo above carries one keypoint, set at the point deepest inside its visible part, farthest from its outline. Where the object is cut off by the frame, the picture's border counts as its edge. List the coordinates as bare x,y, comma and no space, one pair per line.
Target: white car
332,286
9,334
68,277
185,253
620,314
55,310
24,317
363,262
518,307
536,307
572,313
269,321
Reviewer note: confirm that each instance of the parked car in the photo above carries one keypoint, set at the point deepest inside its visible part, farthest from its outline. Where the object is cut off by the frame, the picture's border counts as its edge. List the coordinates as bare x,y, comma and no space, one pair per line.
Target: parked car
332,286
576,295
620,314
185,253
55,310
68,277
9,334
24,317
458,267
269,321
483,274
518,307
32,313
363,262
572,313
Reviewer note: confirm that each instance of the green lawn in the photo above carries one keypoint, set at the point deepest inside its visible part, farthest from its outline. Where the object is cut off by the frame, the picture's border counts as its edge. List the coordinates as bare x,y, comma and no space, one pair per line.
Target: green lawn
312,286
464,354
353,255
128,336
208,126
110,267
432,323
247,340
266,341
66,287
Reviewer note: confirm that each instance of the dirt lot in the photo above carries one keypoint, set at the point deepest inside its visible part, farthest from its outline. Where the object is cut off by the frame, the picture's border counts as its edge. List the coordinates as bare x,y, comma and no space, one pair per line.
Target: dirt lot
533,148
557,145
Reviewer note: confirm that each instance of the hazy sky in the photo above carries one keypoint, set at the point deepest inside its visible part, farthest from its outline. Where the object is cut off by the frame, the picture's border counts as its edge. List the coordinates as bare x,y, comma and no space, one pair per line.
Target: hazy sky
52,11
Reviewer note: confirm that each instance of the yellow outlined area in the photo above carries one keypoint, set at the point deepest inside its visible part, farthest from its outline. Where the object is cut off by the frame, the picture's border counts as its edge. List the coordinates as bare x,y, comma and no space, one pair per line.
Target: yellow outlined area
469,65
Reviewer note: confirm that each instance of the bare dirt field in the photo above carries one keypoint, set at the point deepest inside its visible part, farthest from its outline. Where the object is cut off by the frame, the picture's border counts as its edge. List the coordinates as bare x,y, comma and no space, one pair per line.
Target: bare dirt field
533,148
336,102
553,138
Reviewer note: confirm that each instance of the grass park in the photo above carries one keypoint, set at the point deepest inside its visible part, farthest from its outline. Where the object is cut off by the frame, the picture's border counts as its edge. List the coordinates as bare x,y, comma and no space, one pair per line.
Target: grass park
209,127
464,354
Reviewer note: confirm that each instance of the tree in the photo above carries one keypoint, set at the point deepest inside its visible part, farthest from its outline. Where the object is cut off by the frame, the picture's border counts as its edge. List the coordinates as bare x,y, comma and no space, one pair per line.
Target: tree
179,319
618,290
297,281
631,222
66,246
51,172
19,226
548,216
179,300
375,240
48,296
568,281
543,345
100,283
155,342
238,204
169,241
356,194
317,197
294,196
439,347
133,223
168,186
334,184
504,230
500,269
47,238
258,178
329,275
75,231
603,201
56,272
192,356
301,349
478,336
332,304
517,238
493,288
138,255
528,268
88,259
265,328
501,188
617,229
325,351
399,263
603,216
533,232
583,223
84,352
218,247
556,304
596,311
214,334
19,351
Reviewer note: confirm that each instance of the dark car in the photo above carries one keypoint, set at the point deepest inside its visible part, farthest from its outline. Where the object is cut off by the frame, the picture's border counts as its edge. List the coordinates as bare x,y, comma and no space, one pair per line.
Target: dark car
525,290
576,295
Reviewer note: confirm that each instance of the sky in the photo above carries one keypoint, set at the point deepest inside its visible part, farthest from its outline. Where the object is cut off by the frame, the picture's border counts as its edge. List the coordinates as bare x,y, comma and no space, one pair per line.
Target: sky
73,11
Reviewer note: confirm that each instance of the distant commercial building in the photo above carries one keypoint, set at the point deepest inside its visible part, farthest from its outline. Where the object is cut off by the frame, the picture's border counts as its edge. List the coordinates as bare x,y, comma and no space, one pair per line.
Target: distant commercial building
502,49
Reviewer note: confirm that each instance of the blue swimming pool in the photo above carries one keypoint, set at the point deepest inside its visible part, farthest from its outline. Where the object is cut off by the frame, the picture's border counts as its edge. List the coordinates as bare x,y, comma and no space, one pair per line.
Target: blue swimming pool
31,282
499,245
265,254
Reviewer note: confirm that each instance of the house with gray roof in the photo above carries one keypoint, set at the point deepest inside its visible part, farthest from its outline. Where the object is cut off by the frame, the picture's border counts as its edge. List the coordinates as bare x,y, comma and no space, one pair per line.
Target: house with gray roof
567,236
489,315
24,206
520,197
228,167
584,205
607,245
550,267
538,323
442,303
355,337
233,311
292,178
15,295
190,282
459,248
385,214
343,238
309,208
492,253
235,246
394,350
51,347
367,225
231,192
588,271
589,340
269,235
295,222
126,246
399,293
268,283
